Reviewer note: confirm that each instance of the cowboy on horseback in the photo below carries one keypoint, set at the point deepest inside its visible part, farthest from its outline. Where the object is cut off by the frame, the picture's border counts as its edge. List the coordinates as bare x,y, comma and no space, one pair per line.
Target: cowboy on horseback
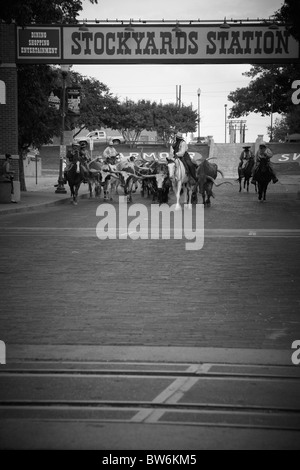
110,153
263,153
79,153
85,159
180,149
73,156
245,157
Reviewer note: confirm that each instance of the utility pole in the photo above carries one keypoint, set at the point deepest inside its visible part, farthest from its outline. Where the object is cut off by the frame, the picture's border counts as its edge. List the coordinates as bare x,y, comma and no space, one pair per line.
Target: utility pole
225,106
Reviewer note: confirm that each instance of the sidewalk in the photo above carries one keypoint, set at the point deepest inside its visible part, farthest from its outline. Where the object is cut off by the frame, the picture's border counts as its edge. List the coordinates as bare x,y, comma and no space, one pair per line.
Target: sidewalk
40,193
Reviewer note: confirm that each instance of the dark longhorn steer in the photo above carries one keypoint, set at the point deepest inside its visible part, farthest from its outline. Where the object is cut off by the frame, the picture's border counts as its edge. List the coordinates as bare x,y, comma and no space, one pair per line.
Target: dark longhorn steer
128,179
163,185
159,182
206,174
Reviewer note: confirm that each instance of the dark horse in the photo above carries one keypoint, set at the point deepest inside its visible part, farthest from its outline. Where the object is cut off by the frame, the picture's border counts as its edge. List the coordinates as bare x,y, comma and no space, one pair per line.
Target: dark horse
75,176
246,173
263,177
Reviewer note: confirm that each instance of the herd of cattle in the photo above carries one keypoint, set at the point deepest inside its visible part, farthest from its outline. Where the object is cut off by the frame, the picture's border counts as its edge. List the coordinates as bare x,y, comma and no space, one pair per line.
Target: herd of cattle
151,177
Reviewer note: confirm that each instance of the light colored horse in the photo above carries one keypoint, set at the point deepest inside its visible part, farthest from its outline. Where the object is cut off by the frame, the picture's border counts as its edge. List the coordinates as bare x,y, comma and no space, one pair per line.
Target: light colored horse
181,180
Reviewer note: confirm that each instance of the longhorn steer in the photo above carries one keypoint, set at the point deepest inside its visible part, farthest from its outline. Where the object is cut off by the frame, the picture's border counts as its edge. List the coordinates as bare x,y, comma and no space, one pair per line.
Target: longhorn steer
207,173
159,183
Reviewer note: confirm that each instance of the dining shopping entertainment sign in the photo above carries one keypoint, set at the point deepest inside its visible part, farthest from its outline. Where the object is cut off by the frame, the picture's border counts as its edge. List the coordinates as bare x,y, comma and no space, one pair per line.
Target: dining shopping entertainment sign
156,43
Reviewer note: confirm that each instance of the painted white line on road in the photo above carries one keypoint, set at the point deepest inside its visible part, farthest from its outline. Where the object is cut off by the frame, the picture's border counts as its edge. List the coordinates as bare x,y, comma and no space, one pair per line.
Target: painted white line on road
171,395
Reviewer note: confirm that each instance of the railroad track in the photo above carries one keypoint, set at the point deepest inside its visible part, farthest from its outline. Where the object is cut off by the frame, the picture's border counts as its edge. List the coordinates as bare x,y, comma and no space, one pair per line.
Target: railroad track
206,395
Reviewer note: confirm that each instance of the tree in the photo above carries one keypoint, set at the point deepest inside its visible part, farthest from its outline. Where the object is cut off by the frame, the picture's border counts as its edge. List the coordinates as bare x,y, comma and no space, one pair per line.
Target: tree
290,14
133,118
279,130
36,120
166,119
270,89
170,119
99,108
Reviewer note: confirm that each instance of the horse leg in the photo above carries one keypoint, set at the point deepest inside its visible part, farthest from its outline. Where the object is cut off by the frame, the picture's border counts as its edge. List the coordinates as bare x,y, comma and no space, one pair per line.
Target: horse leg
240,182
177,192
130,189
189,198
105,190
90,189
72,192
76,193
265,192
97,188
260,191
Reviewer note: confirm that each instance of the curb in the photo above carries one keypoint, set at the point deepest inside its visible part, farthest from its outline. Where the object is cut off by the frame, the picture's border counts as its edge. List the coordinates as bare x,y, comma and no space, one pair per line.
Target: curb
31,207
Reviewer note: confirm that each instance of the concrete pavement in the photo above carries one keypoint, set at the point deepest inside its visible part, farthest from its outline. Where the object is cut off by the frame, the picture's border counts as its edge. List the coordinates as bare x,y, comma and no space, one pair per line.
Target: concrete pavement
40,193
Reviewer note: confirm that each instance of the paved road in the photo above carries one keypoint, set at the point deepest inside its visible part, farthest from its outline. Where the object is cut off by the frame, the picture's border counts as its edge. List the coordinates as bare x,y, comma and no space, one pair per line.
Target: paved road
63,287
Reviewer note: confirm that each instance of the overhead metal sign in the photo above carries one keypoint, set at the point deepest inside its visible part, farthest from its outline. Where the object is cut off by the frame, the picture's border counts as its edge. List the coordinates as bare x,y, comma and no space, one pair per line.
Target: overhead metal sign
156,43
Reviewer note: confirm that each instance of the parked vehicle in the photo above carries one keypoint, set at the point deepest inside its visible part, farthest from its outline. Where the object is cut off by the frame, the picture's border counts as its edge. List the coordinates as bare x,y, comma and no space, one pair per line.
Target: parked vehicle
100,137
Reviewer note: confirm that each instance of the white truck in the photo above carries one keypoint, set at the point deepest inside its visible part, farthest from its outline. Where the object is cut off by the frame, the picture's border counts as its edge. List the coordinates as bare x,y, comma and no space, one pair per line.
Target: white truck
100,137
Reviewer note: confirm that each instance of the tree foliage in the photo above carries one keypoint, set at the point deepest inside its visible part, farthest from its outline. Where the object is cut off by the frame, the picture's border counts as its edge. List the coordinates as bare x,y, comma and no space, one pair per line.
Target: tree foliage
24,12
36,119
99,108
165,119
289,13
270,88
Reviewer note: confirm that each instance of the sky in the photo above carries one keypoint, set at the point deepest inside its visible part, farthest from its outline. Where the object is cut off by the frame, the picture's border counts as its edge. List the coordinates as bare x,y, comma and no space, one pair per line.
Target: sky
158,82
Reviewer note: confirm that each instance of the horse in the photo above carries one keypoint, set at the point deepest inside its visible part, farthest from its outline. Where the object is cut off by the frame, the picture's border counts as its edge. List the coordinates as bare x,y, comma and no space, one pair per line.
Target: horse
263,176
75,176
246,173
181,180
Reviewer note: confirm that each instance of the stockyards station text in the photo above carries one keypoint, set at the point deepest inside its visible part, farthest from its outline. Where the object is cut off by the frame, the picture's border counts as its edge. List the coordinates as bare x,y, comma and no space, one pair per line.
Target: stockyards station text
190,43
144,458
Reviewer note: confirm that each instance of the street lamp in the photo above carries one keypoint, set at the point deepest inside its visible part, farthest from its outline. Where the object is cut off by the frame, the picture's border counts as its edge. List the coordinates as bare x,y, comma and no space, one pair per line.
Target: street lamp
225,106
60,188
199,93
272,104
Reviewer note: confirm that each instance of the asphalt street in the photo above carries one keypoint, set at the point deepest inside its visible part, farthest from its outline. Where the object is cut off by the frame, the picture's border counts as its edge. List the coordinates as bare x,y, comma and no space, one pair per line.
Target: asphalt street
63,287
